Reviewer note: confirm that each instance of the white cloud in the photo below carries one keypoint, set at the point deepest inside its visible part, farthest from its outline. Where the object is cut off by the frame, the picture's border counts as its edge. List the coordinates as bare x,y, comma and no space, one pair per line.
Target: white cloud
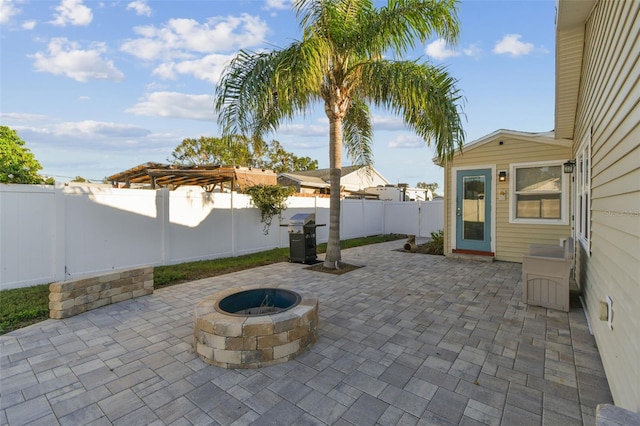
7,11
208,68
406,141
29,25
99,128
388,122
72,12
80,130
175,105
278,4
303,130
187,38
474,50
66,58
438,50
511,45
141,7
23,117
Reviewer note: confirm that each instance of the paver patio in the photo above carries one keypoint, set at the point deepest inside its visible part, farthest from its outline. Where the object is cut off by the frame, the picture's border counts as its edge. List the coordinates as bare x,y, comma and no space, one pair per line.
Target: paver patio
407,339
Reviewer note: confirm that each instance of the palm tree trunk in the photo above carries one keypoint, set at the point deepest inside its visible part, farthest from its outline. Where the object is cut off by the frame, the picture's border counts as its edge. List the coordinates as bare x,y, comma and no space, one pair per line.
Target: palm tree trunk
333,256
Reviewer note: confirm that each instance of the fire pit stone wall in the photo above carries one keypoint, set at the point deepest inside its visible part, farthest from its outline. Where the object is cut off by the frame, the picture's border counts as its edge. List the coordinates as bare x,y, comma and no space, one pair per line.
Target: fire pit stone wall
235,341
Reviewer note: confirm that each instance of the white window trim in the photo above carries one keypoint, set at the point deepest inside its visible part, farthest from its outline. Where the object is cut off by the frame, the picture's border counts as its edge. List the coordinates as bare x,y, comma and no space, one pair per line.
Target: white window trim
583,187
564,198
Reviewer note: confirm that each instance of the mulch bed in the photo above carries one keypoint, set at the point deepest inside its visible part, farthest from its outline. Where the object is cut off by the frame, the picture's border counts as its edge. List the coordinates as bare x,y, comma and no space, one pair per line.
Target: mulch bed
343,268
347,267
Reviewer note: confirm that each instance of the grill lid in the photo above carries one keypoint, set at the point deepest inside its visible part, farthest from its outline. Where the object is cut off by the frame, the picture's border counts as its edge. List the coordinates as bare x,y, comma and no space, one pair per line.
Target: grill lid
301,219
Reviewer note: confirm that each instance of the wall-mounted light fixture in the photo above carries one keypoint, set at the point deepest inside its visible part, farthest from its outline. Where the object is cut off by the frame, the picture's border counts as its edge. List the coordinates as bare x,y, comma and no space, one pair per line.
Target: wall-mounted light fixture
502,176
568,166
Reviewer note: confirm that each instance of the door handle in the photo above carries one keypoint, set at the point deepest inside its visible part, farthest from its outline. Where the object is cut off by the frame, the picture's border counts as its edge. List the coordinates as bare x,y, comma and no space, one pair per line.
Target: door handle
458,212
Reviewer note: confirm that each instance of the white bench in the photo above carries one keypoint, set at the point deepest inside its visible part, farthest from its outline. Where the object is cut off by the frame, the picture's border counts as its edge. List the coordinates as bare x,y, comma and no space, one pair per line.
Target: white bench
546,273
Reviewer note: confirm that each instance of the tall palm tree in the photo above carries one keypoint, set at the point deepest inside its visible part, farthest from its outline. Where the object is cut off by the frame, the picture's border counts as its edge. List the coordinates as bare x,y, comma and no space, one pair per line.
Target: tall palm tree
342,62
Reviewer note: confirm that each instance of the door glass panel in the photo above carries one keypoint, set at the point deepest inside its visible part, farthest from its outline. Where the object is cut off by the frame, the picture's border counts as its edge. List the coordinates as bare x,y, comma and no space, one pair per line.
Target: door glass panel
473,207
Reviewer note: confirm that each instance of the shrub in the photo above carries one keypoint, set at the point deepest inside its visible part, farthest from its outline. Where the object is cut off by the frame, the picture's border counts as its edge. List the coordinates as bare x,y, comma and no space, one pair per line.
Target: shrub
271,200
436,244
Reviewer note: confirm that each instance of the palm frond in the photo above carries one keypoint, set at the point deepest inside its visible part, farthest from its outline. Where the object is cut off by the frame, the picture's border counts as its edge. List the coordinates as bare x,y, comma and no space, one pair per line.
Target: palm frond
358,133
259,90
397,26
425,96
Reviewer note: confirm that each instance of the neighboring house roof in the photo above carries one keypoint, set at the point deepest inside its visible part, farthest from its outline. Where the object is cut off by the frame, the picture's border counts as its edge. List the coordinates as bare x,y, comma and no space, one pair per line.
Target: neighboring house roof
323,174
165,175
314,182
570,19
321,178
538,137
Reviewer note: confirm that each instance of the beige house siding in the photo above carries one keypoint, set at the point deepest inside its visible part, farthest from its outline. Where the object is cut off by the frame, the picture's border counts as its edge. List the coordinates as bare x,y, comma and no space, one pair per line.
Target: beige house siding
568,65
609,111
512,240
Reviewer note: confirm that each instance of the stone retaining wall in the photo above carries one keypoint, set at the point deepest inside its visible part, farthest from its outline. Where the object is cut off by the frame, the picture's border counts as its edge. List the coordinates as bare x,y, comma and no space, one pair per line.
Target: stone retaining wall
69,298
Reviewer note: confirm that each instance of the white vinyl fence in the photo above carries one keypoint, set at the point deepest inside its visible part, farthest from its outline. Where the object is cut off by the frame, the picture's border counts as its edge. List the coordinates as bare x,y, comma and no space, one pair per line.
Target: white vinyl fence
57,233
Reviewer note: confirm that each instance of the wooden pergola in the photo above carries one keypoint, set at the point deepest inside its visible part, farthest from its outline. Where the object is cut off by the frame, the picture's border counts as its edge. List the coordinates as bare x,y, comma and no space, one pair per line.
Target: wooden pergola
170,176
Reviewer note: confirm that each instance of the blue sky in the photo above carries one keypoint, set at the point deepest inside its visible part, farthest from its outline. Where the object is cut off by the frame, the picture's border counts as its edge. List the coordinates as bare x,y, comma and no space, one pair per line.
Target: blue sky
97,87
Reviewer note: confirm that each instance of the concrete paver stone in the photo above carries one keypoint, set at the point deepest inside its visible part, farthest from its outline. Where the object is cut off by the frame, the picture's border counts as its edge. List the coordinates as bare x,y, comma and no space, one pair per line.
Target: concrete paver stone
408,339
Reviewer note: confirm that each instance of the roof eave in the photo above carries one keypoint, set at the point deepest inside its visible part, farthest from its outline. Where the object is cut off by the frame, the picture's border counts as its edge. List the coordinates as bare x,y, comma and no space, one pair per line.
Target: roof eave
570,29
541,137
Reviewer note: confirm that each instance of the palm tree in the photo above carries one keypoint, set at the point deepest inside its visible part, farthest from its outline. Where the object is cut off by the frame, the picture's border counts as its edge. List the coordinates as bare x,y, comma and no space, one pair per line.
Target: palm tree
341,62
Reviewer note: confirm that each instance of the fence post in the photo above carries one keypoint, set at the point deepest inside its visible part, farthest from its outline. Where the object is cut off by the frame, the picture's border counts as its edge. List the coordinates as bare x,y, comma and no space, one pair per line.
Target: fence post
233,225
59,259
363,232
420,218
164,208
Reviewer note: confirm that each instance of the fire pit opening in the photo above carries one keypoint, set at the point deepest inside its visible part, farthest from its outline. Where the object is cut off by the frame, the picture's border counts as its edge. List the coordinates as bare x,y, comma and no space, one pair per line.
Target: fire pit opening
252,327
259,301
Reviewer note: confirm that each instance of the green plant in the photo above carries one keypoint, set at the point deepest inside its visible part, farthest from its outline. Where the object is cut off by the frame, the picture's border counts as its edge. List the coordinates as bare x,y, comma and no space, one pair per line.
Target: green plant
271,200
23,306
436,244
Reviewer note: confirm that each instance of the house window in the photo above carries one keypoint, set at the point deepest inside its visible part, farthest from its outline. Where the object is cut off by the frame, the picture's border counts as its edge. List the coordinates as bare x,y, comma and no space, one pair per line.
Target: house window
539,193
583,191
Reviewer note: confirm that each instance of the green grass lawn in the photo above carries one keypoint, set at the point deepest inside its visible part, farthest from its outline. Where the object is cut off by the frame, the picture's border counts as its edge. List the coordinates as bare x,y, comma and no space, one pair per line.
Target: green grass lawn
24,306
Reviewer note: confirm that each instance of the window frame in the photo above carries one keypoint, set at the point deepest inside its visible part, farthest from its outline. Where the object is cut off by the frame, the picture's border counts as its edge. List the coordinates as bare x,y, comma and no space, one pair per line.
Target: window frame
564,194
582,201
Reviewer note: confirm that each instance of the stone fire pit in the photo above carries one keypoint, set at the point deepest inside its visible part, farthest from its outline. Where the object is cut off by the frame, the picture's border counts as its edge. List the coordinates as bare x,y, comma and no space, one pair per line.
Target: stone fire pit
251,327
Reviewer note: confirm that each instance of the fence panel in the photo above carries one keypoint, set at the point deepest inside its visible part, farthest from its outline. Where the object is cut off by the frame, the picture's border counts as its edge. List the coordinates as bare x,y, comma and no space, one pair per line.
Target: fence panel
108,229
431,217
400,217
249,231
199,227
49,234
373,221
27,235
351,219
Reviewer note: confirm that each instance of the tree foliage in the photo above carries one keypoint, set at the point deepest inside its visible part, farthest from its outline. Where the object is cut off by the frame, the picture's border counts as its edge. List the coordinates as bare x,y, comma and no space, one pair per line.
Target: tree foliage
431,186
17,162
271,200
240,151
343,63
